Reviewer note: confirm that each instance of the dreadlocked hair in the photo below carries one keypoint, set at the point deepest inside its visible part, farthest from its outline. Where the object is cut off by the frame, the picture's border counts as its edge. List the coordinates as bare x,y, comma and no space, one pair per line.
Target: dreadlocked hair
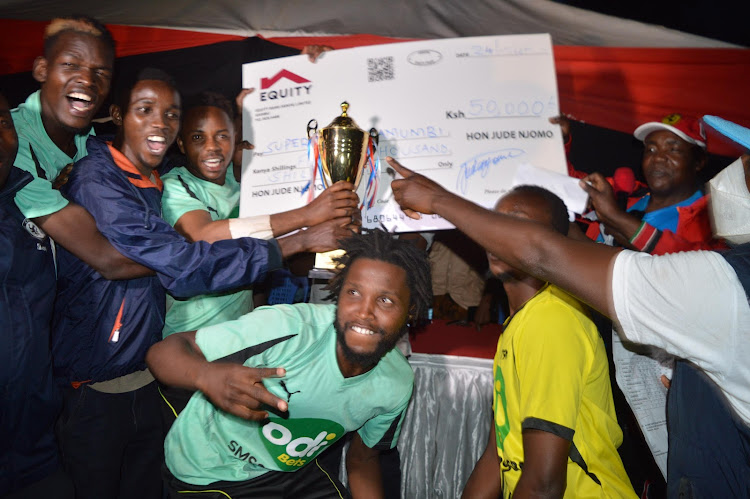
382,246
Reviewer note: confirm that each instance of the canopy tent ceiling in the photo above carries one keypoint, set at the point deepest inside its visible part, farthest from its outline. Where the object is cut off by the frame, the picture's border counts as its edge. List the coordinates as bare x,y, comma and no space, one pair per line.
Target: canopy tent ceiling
392,18
601,82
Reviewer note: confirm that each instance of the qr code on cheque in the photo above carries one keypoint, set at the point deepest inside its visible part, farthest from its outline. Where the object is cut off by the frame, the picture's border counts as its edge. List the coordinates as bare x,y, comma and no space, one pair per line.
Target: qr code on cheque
379,68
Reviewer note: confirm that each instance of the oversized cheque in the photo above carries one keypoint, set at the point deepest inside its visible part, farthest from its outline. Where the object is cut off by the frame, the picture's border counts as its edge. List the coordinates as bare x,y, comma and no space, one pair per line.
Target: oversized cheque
466,112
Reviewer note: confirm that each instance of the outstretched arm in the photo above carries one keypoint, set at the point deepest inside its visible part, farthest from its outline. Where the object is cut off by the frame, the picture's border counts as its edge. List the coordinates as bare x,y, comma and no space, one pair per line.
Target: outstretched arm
363,470
74,229
337,201
178,361
582,268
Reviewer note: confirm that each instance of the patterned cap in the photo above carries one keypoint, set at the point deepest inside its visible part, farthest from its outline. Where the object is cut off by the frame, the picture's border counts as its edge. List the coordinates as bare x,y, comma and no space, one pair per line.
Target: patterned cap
688,129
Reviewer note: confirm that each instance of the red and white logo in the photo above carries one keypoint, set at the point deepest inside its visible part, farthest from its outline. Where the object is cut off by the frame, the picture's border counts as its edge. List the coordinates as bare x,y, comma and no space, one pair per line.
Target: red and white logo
286,84
269,82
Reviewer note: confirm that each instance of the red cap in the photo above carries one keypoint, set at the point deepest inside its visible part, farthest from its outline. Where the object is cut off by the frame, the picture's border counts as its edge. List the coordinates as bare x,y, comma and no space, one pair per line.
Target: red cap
688,129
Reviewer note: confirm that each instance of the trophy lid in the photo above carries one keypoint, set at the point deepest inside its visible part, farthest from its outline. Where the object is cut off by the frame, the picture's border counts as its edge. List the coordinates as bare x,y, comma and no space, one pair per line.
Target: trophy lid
343,121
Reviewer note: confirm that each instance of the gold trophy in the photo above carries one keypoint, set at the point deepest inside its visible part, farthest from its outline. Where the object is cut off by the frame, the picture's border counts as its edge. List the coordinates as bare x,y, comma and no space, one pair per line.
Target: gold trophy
342,148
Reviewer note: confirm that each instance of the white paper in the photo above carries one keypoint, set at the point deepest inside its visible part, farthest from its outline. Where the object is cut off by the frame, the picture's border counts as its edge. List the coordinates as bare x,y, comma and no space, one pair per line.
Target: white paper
564,186
464,112
638,376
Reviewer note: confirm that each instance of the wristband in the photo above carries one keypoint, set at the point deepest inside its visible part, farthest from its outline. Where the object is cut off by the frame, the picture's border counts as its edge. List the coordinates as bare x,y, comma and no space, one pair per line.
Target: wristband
258,227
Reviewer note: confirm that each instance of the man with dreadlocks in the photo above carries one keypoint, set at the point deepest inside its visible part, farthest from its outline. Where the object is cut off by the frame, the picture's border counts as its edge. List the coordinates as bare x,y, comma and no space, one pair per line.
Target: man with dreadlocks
293,379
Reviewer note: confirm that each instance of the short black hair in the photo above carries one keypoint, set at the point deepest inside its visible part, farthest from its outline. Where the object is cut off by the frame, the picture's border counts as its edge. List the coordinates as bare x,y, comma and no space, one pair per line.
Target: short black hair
379,245
125,85
209,98
557,209
76,23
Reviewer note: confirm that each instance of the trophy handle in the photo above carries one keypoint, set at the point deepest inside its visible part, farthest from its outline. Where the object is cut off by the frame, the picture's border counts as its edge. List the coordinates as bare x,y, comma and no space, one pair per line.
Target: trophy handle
374,136
312,126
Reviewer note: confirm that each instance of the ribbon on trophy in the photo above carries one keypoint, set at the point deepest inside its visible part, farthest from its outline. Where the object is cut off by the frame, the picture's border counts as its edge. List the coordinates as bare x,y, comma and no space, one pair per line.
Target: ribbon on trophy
313,157
340,152
374,161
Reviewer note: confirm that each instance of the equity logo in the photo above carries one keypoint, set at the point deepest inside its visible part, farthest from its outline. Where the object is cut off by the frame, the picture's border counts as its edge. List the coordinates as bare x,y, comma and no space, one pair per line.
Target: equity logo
302,88
294,442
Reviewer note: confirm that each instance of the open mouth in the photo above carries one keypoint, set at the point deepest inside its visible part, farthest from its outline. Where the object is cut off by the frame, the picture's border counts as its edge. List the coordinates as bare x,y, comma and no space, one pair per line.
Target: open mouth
213,164
80,103
156,144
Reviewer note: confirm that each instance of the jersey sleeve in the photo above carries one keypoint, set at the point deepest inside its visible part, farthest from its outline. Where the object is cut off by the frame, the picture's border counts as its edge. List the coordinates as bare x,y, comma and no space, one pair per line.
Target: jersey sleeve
185,269
382,431
552,359
37,198
683,302
176,200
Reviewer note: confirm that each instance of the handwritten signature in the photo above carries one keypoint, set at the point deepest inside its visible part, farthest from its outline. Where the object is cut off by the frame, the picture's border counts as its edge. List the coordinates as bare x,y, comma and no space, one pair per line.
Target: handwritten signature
481,164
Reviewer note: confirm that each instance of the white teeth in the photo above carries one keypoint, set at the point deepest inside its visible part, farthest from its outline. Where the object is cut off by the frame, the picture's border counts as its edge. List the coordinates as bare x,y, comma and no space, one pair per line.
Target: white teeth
212,162
156,138
361,330
80,96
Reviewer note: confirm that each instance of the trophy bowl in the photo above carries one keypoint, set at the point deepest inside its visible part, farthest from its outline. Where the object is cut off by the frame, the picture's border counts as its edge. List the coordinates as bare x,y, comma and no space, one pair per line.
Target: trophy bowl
342,147
341,151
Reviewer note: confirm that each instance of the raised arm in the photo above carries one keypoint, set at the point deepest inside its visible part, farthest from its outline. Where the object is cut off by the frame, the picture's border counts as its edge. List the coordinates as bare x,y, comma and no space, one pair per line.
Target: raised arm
178,361
582,268
635,234
74,229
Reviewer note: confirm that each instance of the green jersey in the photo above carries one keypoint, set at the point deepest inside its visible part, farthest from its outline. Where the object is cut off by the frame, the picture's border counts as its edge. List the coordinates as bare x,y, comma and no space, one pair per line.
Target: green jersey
38,155
206,445
184,192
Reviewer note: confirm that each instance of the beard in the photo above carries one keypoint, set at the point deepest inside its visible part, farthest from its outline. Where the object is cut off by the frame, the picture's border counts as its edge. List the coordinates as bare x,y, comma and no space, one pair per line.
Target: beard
369,359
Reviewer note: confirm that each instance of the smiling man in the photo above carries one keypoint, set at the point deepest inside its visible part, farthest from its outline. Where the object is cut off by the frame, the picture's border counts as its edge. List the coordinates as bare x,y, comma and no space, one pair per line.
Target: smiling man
110,430
321,370
53,126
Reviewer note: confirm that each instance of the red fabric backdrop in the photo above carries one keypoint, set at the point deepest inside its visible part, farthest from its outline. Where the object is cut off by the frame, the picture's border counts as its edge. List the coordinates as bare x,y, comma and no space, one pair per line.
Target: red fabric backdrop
616,88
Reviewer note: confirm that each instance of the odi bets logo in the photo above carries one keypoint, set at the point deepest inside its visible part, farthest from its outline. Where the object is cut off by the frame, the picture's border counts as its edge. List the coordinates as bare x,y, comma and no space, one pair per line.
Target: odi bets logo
293,443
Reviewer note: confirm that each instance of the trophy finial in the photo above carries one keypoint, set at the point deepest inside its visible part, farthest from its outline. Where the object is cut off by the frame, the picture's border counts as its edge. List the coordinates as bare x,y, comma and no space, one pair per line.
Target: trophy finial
344,107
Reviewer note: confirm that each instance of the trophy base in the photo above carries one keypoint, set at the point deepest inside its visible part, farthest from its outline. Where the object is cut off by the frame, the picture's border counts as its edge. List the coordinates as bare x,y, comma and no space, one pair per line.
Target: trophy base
325,260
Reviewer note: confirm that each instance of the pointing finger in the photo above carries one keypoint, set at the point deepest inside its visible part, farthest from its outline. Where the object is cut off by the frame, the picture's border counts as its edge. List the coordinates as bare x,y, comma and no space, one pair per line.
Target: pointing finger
401,169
